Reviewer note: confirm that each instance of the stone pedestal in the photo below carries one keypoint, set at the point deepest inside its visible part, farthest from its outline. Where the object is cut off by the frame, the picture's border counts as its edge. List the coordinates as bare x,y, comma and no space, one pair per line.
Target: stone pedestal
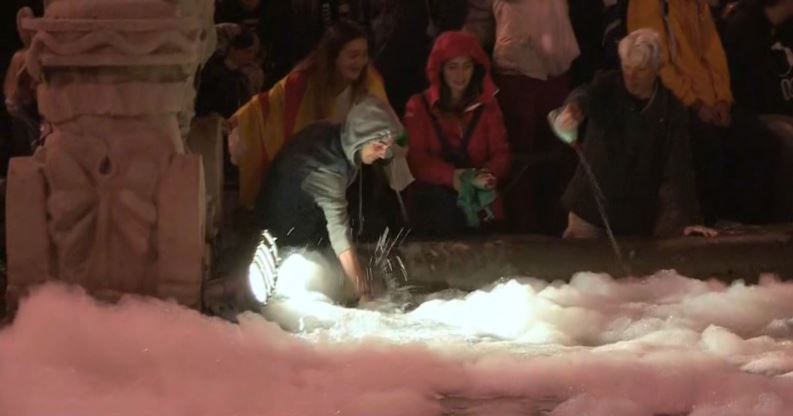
111,202
206,139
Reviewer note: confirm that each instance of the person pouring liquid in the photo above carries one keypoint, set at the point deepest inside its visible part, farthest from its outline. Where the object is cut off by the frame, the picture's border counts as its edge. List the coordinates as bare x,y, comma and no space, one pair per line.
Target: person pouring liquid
636,142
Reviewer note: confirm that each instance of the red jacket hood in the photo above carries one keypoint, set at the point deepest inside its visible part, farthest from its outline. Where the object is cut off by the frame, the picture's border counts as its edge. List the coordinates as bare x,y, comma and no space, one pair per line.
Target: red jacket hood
450,45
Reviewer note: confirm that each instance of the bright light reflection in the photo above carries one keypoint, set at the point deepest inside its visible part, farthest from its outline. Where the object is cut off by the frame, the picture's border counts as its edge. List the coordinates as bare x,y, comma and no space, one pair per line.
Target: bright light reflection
529,315
256,281
506,312
262,270
296,275
305,292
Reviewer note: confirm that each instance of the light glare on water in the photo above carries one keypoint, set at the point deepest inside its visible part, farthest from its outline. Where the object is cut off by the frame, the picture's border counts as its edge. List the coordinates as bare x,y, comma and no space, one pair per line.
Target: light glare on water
592,311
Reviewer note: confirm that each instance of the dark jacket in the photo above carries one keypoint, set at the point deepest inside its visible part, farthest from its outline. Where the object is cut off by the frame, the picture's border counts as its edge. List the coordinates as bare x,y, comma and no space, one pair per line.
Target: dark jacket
222,90
303,201
760,57
272,22
401,48
640,156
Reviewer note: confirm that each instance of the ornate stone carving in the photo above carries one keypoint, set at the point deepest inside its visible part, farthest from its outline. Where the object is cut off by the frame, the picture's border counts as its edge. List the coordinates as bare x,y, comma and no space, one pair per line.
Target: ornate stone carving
111,201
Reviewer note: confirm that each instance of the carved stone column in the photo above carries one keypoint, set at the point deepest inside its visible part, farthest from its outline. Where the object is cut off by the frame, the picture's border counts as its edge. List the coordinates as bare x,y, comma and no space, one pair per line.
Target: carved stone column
111,202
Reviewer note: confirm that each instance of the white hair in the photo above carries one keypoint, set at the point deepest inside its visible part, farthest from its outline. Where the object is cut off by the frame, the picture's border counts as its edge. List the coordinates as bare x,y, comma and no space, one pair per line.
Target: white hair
642,48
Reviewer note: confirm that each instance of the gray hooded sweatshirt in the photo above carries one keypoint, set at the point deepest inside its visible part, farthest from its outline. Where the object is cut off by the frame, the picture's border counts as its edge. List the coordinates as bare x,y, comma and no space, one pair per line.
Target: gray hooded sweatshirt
307,185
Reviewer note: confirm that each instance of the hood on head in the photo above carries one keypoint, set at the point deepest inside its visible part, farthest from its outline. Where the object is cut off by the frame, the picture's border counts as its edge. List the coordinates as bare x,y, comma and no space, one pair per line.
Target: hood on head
450,45
370,118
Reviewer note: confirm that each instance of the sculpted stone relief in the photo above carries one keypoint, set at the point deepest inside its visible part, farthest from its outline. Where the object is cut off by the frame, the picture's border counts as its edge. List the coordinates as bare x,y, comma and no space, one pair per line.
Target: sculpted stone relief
111,201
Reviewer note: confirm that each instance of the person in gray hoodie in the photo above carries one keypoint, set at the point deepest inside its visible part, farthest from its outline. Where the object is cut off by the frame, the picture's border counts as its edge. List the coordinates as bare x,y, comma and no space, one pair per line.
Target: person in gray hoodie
303,202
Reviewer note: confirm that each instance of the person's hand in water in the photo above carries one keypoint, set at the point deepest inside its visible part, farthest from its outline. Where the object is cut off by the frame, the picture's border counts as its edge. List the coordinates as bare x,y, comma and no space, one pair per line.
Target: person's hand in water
355,273
363,289
700,230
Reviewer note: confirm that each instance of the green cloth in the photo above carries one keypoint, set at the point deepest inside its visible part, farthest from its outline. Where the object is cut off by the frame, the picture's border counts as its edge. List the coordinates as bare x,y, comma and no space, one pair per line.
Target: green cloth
472,200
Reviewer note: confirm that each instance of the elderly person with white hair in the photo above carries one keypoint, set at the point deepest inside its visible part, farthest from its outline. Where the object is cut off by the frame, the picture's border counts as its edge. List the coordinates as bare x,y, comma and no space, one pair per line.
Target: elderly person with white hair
636,142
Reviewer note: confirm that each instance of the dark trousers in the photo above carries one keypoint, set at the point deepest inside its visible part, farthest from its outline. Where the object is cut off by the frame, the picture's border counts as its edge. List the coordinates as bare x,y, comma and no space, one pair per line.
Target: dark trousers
751,166
434,213
709,153
734,169
542,164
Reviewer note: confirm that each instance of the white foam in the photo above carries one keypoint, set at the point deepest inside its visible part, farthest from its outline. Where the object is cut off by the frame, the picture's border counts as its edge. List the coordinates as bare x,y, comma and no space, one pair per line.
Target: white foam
659,345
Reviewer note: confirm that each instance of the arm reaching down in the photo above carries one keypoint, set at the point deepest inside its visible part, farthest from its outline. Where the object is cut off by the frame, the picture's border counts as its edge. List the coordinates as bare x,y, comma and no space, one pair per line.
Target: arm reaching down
329,192
352,269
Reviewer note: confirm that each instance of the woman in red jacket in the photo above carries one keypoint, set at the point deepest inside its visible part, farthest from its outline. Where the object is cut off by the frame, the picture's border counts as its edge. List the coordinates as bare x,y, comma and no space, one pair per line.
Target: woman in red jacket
457,141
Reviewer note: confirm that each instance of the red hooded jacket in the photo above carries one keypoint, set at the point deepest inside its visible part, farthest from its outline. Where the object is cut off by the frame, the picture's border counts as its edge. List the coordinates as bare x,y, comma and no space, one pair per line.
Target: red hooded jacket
488,146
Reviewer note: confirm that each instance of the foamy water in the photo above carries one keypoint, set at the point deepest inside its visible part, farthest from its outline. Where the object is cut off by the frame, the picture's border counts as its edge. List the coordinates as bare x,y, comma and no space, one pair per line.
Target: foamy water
660,345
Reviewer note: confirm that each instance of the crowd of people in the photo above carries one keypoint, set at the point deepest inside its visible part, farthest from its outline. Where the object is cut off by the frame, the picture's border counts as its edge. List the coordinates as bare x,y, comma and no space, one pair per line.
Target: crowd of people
438,110
671,148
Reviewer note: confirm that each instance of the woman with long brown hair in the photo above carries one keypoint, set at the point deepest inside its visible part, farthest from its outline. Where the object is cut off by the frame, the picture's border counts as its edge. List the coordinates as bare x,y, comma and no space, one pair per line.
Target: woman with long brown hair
322,87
